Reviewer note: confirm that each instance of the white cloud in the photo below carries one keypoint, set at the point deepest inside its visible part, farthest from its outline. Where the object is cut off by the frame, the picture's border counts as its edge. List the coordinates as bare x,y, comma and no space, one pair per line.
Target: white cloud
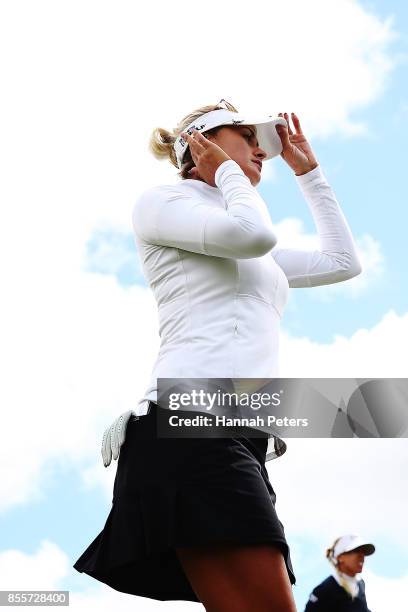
43,570
49,567
368,353
384,594
79,118
105,599
74,363
330,487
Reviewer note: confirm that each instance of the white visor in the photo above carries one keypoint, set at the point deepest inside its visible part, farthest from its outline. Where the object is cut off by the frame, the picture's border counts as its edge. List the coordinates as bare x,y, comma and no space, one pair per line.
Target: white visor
268,137
351,542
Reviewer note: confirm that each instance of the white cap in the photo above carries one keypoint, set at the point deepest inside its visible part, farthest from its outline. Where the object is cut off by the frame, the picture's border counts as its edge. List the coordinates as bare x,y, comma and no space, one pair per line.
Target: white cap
348,543
268,137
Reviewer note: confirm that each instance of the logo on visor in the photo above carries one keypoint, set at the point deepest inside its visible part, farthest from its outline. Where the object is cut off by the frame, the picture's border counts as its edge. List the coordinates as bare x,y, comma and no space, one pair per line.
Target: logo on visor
196,127
183,143
236,121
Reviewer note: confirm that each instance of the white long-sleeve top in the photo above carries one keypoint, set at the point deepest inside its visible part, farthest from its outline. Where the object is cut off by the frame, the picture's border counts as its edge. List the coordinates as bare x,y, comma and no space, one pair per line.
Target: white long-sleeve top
221,285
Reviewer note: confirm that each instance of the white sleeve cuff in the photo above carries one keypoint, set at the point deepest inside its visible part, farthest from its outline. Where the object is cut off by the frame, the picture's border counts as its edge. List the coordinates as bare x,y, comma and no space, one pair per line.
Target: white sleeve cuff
227,167
310,179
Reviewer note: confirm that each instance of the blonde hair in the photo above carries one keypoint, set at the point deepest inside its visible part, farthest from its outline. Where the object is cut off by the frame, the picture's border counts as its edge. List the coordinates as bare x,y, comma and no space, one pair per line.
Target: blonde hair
334,562
330,552
162,140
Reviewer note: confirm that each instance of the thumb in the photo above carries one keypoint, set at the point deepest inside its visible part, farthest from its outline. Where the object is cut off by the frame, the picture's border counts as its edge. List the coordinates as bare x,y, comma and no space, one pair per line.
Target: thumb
193,172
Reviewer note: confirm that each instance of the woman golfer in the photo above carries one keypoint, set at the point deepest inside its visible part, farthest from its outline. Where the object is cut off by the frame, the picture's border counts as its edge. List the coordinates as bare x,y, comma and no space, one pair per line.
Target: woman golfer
194,518
344,591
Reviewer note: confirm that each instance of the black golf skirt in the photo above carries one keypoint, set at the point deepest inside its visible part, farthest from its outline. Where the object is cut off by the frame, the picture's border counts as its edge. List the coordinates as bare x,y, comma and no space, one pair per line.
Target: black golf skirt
171,492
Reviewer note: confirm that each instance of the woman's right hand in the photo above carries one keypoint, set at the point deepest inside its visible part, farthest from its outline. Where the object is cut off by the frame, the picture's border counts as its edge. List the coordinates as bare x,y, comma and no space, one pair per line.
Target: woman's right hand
206,155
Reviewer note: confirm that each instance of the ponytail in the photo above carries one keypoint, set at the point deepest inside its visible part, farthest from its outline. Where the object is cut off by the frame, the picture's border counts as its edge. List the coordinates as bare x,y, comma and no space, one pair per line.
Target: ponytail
161,143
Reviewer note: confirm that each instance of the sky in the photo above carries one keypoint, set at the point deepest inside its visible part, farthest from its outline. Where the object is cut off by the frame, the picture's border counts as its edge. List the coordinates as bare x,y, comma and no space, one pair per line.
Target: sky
85,83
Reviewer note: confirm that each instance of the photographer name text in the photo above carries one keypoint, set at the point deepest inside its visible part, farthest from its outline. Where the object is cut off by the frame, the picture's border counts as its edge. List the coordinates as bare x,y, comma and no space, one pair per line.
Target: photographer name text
223,421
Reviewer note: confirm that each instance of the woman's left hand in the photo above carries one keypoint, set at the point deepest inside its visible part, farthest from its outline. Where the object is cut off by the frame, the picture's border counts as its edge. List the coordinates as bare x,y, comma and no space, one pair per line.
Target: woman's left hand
296,151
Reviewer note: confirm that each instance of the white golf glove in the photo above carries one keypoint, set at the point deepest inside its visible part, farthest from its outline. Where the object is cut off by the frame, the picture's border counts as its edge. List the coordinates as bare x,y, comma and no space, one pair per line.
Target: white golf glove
114,437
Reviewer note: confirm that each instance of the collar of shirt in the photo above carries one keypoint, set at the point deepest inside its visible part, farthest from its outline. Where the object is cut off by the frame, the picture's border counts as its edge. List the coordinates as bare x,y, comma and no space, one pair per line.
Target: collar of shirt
352,581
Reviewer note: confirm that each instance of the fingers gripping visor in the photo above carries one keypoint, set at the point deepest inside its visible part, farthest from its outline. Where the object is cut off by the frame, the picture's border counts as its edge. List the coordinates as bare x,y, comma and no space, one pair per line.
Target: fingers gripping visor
268,137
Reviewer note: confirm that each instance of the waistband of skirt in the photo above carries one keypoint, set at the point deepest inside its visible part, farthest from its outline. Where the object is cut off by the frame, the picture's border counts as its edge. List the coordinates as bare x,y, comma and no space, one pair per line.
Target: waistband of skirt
260,441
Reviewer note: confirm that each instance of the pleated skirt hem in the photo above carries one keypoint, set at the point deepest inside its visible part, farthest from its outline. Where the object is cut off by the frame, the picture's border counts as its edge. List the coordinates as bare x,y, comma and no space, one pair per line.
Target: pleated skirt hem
180,493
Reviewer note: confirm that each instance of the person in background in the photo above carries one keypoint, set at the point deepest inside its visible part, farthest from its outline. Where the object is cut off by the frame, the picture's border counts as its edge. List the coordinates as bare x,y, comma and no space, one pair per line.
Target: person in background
344,590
